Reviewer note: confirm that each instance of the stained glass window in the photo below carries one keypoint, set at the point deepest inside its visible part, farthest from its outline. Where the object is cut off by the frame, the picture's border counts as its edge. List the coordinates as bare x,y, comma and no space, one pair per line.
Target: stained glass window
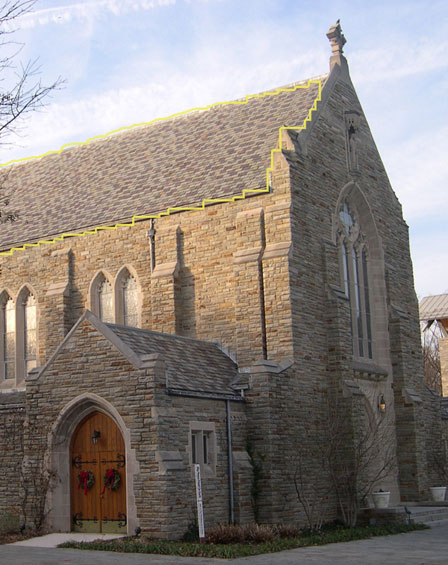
358,308
346,218
367,303
30,333
345,270
130,306
9,332
105,304
355,281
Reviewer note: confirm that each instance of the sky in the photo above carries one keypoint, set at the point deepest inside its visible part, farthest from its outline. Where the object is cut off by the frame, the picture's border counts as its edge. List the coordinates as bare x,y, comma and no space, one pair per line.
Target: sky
131,61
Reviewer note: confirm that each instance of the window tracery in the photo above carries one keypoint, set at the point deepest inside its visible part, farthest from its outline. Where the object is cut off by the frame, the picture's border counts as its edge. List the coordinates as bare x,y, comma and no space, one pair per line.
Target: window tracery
117,300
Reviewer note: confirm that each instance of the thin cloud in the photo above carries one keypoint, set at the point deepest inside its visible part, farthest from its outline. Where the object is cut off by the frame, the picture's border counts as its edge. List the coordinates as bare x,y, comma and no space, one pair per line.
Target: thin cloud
399,61
87,11
416,165
118,106
429,258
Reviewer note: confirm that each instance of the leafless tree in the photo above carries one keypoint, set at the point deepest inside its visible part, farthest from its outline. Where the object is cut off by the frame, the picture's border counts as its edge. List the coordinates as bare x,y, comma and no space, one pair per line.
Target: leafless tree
431,356
352,461
21,90
36,482
311,495
37,478
358,460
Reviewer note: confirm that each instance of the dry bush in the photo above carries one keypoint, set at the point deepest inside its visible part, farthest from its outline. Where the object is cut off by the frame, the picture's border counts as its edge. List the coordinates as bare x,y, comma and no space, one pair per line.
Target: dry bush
288,531
251,533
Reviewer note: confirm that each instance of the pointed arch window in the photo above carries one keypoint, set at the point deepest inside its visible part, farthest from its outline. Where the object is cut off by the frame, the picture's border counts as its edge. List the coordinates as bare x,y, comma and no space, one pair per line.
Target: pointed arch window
355,276
30,333
105,302
127,297
9,339
130,301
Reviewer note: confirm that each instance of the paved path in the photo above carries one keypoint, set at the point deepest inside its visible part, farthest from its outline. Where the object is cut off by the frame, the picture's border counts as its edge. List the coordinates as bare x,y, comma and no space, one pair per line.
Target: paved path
53,540
422,548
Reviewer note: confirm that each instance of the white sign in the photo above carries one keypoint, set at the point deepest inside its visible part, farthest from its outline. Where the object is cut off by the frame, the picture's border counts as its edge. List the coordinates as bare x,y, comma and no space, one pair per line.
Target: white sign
197,476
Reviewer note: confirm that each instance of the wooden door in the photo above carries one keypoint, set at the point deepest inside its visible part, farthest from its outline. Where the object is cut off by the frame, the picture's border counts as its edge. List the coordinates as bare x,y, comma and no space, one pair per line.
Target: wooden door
96,506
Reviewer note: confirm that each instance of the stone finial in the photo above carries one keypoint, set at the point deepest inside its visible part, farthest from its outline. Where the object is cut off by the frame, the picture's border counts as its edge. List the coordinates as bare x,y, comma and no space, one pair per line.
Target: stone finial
337,41
336,38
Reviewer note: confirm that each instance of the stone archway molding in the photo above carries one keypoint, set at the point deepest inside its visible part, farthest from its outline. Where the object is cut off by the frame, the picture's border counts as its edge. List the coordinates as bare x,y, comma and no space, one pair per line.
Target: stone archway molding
59,515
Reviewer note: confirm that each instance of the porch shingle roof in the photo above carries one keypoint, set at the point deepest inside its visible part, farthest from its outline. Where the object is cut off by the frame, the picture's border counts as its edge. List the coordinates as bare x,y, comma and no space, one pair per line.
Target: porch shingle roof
192,365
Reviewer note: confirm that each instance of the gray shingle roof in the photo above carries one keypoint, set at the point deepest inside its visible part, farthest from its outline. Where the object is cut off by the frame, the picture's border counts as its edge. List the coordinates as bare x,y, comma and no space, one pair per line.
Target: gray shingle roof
192,365
434,307
214,153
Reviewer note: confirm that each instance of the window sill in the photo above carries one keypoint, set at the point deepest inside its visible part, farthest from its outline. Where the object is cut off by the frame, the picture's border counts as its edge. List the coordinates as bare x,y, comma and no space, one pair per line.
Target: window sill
10,385
207,470
369,370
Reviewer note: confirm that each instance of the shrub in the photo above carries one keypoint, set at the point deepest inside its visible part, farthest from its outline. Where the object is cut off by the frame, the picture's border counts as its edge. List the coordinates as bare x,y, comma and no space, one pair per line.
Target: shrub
224,533
192,532
288,531
251,533
259,533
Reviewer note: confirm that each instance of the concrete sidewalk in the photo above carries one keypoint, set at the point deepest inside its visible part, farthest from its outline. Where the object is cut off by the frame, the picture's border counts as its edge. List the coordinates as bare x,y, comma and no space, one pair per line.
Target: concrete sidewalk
421,547
53,540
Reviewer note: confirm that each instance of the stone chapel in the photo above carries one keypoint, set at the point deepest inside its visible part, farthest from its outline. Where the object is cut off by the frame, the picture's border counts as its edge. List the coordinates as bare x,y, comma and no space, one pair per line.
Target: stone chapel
199,291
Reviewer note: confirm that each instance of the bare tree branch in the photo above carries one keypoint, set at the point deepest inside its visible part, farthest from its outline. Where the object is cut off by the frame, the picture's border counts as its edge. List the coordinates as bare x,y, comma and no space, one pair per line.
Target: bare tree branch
352,461
21,91
431,356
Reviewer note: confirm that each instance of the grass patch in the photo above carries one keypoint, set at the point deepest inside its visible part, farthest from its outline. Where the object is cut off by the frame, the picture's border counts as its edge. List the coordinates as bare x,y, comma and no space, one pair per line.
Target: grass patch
233,550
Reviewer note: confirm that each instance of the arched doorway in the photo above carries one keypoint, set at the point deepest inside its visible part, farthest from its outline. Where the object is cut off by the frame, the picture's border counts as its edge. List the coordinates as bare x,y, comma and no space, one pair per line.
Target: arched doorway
98,476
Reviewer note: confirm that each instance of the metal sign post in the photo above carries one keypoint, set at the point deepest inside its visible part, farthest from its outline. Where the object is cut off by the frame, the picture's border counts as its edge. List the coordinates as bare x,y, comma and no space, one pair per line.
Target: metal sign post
197,476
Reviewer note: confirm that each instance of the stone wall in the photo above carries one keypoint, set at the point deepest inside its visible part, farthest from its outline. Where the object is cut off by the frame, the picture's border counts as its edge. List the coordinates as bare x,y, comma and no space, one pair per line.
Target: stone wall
173,481
155,427
12,416
196,290
320,181
286,434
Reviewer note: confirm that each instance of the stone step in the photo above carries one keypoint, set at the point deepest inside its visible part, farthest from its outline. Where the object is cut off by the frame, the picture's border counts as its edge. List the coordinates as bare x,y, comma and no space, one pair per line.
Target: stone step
418,513
424,514
435,523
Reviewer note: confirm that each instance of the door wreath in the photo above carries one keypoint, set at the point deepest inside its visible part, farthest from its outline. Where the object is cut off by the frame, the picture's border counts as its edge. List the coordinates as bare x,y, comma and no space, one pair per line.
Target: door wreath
86,480
111,480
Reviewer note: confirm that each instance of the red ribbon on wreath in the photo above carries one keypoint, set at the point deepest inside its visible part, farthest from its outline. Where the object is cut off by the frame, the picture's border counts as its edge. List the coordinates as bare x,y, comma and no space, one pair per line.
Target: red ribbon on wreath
109,479
83,478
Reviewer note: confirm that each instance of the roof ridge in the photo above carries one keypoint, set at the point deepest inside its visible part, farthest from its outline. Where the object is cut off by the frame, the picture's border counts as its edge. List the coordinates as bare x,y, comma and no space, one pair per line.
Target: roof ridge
434,296
165,334
183,114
